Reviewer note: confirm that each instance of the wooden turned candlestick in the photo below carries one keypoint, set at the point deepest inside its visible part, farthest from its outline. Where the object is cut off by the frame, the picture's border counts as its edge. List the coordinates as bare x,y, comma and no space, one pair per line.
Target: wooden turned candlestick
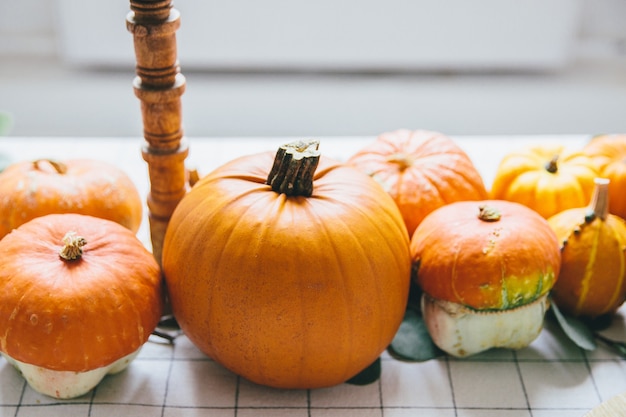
159,86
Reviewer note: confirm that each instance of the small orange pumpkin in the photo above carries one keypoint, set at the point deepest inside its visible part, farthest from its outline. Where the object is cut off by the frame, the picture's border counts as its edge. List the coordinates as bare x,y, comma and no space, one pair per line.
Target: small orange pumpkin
289,273
487,255
77,295
30,189
608,152
548,178
592,282
421,170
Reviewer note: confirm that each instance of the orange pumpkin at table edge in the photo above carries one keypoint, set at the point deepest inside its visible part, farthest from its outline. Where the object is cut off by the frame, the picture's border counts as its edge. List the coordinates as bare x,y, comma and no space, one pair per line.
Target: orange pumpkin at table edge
608,152
292,280
422,170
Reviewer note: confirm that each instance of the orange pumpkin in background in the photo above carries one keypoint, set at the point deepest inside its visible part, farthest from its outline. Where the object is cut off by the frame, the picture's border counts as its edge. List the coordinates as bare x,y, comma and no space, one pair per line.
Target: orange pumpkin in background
548,178
79,296
30,189
592,282
608,152
289,273
421,170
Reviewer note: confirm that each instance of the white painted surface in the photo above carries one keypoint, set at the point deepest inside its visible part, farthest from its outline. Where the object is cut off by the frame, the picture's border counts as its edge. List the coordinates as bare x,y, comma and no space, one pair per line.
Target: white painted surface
340,34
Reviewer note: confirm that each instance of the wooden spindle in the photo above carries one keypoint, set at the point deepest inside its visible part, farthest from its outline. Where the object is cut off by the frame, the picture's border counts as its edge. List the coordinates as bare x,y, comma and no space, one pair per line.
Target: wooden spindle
159,86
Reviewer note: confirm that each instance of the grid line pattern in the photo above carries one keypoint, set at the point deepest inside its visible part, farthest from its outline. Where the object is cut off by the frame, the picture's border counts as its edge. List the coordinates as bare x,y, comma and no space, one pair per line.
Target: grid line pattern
178,380
521,380
551,377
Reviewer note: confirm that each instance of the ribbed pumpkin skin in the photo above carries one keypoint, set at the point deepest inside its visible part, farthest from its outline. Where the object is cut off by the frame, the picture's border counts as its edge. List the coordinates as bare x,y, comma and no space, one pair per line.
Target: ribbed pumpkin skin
76,315
592,281
522,177
608,153
289,292
485,265
421,170
89,187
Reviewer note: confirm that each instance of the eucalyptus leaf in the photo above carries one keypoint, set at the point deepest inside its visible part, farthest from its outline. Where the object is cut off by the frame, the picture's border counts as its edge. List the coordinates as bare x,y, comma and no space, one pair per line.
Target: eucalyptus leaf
617,346
5,161
6,122
574,329
415,296
412,342
368,375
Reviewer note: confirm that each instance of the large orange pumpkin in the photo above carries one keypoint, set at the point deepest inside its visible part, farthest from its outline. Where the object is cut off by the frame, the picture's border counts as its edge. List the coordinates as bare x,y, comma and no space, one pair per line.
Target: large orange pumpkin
30,189
78,294
299,283
592,282
548,178
608,152
421,170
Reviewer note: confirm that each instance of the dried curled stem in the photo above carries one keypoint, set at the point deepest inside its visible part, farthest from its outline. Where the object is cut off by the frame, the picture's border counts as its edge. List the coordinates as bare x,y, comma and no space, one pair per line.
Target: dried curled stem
72,246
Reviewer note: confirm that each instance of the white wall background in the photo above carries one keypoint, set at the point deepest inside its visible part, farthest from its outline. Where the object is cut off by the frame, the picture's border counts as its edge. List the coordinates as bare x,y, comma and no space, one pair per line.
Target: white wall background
62,28
28,27
48,49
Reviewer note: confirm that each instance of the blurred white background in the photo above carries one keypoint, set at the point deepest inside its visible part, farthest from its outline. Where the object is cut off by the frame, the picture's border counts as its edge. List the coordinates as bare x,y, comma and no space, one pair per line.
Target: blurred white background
328,67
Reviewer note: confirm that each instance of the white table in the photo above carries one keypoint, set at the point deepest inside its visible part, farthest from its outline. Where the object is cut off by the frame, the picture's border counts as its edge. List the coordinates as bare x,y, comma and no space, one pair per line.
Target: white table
551,377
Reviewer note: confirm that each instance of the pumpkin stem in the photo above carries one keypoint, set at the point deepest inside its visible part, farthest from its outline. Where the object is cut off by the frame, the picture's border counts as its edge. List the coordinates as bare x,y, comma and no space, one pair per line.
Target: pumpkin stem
599,206
488,213
552,166
403,160
294,167
59,167
72,246
192,176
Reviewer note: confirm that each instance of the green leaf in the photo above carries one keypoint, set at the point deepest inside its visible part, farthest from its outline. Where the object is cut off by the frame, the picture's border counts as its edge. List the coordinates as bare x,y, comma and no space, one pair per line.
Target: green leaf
574,329
617,346
6,122
415,297
5,161
412,342
368,375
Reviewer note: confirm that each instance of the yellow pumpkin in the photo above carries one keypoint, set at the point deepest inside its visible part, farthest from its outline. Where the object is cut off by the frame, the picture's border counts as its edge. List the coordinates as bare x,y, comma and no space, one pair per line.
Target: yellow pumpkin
548,178
592,281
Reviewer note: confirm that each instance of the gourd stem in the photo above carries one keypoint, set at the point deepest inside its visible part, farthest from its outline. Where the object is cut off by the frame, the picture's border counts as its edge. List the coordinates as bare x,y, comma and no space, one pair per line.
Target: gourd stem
294,167
552,166
72,246
488,213
599,206
59,167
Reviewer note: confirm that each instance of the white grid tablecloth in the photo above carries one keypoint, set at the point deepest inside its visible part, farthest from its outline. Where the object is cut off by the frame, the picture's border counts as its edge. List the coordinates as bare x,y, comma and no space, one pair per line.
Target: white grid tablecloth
552,377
